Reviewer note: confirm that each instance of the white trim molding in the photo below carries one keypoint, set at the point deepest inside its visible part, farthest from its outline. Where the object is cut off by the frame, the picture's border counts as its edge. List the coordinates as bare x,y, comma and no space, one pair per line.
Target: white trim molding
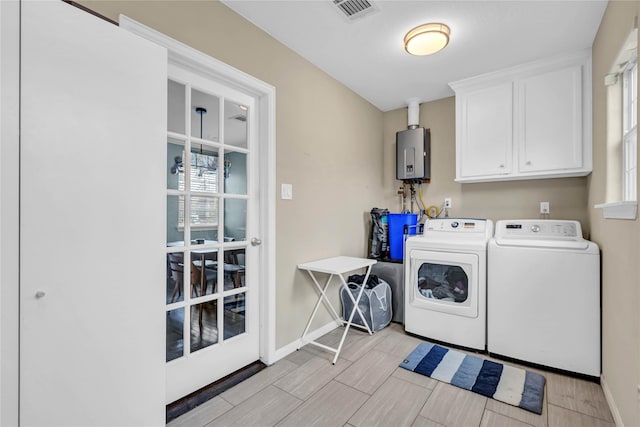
615,413
619,210
286,350
186,57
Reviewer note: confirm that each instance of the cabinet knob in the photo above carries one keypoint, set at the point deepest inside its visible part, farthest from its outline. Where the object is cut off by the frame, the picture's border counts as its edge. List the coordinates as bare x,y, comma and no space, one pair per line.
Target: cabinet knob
40,294
528,163
501,166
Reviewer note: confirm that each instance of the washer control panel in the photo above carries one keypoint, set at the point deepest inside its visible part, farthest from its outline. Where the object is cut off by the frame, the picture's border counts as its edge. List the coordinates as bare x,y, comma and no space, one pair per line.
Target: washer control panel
539,229
462,225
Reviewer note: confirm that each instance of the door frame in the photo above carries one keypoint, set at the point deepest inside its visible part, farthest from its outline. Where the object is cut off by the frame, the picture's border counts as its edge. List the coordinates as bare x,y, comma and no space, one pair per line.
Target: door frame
187,57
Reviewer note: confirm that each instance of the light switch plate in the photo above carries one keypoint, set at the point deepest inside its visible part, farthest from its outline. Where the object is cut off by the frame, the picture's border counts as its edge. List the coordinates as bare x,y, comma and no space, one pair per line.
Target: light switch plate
286,192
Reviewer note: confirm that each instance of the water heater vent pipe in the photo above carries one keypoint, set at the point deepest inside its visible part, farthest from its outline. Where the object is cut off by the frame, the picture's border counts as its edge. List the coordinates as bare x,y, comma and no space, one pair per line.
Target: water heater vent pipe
413,113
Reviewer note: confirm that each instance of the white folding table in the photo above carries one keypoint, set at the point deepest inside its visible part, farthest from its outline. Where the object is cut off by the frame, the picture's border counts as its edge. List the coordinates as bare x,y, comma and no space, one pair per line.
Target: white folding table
336,266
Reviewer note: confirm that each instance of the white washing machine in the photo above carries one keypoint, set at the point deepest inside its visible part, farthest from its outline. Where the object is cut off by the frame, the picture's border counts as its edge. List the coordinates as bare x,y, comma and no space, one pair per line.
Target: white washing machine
544,295
445,281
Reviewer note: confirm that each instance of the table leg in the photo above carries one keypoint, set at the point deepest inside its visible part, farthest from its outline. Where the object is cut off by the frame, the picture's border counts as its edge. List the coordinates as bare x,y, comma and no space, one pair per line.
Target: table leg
203,275
203,286
353,312
321,297
356,302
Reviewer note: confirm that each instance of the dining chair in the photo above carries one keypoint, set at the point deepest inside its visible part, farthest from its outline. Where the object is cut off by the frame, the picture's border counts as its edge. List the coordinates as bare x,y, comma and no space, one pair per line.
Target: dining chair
176,266
233,267
210,261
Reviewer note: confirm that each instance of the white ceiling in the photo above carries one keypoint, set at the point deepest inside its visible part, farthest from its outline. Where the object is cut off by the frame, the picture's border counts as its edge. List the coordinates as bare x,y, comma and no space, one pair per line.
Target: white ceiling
367,54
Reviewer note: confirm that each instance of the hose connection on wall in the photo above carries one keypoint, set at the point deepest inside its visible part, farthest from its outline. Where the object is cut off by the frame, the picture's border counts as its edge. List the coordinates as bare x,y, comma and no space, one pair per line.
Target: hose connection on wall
411,194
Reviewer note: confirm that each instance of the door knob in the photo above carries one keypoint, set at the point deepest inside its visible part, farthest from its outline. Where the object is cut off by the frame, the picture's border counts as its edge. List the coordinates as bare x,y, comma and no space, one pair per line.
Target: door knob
256,242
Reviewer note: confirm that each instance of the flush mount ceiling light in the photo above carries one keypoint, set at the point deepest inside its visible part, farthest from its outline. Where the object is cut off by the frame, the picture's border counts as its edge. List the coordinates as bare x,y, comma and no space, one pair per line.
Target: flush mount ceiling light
427,39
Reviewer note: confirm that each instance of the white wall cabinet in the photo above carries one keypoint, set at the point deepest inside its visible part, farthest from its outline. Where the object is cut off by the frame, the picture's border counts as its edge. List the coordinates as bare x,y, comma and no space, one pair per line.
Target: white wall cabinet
487,115
528,122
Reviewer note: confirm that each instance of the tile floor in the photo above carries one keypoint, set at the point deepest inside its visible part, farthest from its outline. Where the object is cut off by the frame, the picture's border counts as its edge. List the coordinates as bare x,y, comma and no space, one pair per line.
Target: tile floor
367,388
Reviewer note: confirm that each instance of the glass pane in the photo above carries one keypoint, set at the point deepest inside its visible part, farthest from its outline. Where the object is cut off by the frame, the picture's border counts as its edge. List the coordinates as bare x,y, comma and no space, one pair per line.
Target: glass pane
204,325
200,237
176,107
234,268
204,116
235,124
175,221
235,173
175,277
175,340
204,169
204,211
204,284
235,219
443,282
175,164
234,315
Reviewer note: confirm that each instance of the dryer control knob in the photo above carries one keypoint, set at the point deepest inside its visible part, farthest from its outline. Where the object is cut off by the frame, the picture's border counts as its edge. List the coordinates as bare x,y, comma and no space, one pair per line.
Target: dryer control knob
535,228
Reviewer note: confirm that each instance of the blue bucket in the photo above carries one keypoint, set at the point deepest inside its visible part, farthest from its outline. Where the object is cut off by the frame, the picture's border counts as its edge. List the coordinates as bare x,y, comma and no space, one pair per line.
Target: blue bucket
396,232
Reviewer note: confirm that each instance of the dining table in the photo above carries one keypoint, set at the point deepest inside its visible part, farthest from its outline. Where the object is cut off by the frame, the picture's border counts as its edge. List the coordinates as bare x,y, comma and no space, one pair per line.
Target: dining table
207,259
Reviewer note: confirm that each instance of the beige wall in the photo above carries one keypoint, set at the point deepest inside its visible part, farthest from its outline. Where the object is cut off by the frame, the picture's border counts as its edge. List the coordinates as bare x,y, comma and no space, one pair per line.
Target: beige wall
329,143
496,200
618,239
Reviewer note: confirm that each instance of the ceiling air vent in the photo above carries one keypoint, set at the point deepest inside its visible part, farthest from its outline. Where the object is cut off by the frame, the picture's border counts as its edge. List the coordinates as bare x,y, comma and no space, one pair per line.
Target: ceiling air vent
354,9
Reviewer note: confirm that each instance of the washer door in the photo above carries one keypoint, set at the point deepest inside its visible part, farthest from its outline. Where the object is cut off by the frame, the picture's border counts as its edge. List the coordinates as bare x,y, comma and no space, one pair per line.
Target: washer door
443,281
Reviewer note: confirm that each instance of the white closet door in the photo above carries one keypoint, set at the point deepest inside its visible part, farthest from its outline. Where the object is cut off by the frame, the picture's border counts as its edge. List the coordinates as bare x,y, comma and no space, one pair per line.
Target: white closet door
92,206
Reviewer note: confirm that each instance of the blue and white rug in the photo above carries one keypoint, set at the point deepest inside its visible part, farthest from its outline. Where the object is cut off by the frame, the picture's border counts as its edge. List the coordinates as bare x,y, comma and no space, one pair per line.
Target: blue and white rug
515,386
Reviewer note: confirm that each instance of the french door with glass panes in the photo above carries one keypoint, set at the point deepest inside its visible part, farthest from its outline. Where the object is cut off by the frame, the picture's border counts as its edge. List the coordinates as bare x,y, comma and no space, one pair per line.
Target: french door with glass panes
211,296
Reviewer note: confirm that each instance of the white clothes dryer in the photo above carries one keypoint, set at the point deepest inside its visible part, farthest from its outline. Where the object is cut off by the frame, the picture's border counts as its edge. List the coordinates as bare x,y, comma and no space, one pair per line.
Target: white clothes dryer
445,281
544,295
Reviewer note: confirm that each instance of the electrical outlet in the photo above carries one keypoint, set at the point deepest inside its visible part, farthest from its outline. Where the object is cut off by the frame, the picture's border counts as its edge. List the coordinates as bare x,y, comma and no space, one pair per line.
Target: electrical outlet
544,208
447,202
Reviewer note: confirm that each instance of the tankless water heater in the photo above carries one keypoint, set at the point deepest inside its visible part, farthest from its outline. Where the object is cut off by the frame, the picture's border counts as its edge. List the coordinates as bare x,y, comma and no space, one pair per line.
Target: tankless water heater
413,154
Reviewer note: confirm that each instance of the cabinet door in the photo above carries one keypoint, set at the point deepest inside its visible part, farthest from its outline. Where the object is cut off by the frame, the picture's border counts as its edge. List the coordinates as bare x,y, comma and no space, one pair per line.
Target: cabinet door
92,203
549,127
485,124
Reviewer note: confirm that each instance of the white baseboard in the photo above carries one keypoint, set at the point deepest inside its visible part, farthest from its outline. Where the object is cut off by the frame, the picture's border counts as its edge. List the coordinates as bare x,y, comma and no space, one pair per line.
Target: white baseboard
293,346
615,413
